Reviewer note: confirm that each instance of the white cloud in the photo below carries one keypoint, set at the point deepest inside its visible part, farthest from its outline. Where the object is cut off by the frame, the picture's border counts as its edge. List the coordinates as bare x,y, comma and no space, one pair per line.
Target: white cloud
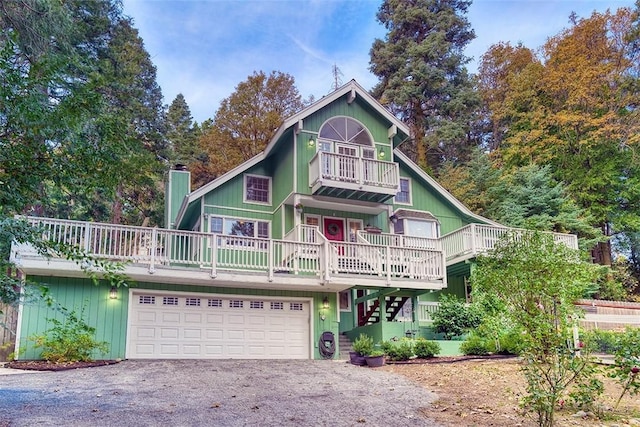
203,49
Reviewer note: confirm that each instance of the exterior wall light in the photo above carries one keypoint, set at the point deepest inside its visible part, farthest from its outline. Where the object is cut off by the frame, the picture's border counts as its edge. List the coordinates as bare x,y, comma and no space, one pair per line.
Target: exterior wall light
325,306
312,142
381,154
113,293
393,219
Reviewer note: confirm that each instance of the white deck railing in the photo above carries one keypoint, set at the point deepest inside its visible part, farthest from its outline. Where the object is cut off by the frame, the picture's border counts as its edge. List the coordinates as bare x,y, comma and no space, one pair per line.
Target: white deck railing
304,250
426,310
325,166
161,248
471,240
387,239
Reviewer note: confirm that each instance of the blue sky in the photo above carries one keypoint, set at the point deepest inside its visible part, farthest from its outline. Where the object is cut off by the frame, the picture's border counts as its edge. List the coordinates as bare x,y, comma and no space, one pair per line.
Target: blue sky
204,48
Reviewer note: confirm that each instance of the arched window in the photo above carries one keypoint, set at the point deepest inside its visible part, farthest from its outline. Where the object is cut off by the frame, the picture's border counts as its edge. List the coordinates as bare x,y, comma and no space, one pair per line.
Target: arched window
345,129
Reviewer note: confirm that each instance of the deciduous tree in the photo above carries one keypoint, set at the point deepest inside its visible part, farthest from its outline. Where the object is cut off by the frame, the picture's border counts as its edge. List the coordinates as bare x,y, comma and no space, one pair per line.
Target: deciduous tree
245,122
538,281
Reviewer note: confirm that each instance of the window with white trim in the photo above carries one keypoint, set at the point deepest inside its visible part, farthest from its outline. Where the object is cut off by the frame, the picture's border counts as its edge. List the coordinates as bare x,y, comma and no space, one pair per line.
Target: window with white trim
257,189
345,129
240,227
416,227
354,225
404,195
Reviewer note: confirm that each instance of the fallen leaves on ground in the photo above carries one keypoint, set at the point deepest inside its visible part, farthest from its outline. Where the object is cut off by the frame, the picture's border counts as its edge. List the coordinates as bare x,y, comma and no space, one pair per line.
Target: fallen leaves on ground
487,393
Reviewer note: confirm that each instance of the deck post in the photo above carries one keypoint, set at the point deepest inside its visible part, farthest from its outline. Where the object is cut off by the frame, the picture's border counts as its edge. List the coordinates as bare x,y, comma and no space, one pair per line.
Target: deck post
388,266
87,238
270,258
154,250
473,238
214,255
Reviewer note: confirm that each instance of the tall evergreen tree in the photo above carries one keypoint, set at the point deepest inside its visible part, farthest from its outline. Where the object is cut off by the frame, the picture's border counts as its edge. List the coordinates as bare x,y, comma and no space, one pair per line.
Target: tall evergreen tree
182,135
48,52
423,79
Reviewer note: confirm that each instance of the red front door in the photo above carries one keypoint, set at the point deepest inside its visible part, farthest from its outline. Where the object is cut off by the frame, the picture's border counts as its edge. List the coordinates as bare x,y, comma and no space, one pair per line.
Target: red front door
334,229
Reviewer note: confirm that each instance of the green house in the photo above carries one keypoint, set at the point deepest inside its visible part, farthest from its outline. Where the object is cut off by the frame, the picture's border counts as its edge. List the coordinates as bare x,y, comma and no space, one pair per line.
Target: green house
330,229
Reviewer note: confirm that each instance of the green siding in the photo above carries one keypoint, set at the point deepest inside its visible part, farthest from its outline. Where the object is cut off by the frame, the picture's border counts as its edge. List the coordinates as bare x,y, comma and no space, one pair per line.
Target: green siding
109,317
281,167
357,110
178,186
424,198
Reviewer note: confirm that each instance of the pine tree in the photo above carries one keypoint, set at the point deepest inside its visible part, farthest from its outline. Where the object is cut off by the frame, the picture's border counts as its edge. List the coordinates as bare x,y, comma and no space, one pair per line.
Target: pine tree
423,79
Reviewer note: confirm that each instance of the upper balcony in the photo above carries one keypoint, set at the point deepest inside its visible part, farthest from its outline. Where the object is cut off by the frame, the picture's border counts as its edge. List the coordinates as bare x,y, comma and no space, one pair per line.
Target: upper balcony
352,177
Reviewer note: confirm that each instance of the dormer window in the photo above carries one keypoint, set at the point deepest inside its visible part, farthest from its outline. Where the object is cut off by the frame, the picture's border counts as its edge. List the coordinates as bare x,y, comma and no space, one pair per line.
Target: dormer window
345,130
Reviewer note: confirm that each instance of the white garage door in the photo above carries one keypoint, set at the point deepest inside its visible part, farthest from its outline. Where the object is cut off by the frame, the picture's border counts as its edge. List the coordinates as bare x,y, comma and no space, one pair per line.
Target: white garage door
195,326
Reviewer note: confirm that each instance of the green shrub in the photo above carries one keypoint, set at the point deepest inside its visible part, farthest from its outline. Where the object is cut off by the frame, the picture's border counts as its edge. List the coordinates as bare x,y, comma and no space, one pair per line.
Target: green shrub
626,370
69,341
454,317
510,343
475,345
399,351
363,345
425,349
600,341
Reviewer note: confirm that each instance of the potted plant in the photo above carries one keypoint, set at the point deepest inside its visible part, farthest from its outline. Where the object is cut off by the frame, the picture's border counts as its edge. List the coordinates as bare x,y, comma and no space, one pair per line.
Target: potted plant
375,358
362,346
299,207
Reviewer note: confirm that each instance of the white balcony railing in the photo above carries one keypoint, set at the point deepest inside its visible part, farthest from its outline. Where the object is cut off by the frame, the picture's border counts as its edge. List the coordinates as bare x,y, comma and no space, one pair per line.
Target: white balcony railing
341,169
304,250
471,240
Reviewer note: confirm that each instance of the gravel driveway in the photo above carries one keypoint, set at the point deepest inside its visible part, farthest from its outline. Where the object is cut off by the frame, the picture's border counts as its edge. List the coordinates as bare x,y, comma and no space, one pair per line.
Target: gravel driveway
213,393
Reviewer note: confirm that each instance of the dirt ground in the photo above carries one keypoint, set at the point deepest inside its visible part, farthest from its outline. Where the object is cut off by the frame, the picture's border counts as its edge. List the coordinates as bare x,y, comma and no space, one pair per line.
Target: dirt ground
471,392
487,393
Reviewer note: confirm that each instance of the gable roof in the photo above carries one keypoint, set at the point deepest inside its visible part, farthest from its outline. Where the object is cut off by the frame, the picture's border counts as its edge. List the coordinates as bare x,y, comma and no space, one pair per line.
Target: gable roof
352,88
440,189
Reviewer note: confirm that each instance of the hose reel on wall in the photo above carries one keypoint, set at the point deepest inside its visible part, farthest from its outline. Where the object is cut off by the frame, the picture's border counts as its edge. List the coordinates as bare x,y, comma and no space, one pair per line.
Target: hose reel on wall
327,345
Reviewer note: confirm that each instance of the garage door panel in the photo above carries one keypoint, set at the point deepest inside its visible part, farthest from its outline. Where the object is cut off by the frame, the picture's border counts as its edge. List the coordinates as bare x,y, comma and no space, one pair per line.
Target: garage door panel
145,350
195,326
236,350
191,349
193,318
145,333
169,349
214,334
253,336
169,333
215,319
213,350
190,333
170,317
236,319
256,319
146,316
276,336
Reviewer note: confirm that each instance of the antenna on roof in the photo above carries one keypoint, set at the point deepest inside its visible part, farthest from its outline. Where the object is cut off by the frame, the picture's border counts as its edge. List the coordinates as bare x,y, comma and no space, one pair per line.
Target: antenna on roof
337,81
